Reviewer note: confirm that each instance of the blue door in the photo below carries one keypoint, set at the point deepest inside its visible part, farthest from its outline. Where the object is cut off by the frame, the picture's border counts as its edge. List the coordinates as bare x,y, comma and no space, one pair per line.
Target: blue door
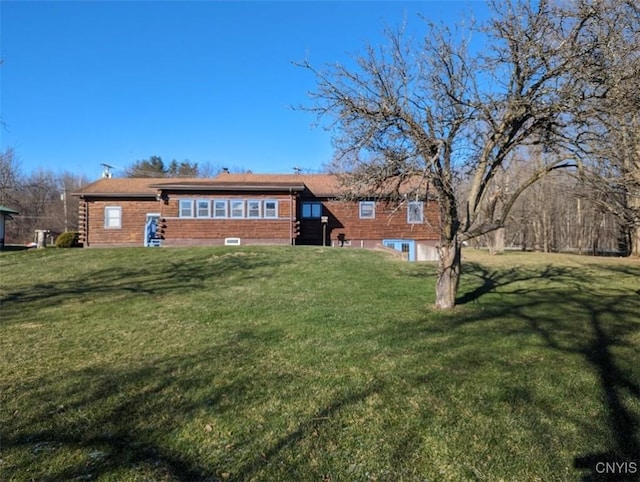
151,238
405,246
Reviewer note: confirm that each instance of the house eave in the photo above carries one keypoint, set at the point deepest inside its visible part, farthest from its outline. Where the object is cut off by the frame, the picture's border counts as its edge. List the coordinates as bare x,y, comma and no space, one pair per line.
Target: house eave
85,195
8,212
227,187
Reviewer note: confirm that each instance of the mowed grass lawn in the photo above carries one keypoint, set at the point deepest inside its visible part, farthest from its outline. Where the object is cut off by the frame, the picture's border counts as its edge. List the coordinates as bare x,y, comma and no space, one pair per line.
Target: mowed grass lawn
296,364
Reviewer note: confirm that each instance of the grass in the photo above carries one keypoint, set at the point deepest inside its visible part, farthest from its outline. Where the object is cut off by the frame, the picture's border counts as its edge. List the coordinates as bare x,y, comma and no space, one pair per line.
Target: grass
273,363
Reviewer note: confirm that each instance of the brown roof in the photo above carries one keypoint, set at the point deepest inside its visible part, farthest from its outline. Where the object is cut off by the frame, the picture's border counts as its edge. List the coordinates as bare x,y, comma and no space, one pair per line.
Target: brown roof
322,185
112,187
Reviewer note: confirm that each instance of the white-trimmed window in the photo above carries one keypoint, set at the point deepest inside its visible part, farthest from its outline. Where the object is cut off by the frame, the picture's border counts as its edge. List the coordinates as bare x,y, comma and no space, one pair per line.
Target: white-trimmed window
203,208
113,217
237,208
253,208
220,208
311,210
270,209
415,212
186,208
367,210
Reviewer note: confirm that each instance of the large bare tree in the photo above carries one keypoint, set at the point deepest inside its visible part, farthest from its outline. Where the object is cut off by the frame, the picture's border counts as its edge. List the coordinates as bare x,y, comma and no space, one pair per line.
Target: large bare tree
609,79
428,114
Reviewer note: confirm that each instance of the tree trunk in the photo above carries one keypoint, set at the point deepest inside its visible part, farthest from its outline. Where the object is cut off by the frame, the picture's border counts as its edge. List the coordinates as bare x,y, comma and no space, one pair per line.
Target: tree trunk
495,241
635,242
634,233
579,227
449,266
545,232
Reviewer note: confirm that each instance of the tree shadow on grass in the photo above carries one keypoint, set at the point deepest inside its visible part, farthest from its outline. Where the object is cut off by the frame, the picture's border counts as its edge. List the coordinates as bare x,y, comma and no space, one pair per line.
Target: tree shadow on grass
324,416
117,419
491,280
101,417
104,421
127,417
122,422
622,461
150,278
610,319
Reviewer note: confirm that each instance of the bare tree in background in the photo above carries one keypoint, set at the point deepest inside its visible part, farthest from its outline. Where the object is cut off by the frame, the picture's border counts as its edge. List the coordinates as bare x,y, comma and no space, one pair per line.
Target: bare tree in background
10,178
610,113
432,114
45,202
42,198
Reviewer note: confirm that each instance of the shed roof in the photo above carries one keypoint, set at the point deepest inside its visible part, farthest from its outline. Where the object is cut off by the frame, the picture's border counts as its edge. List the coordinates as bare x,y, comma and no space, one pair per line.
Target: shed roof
6,210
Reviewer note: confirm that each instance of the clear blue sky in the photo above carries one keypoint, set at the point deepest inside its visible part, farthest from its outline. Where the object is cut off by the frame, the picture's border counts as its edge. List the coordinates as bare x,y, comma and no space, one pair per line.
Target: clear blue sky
88,82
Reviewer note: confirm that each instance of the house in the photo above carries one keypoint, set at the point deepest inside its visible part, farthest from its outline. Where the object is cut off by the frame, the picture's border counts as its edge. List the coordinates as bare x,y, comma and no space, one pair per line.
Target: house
294,209
5,213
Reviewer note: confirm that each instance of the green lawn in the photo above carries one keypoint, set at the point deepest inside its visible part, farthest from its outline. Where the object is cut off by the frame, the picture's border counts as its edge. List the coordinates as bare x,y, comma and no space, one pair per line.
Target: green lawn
289,364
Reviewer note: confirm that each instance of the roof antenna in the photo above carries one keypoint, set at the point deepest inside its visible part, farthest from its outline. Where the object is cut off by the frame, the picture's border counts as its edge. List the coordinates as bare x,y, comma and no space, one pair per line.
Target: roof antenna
106,170
297,170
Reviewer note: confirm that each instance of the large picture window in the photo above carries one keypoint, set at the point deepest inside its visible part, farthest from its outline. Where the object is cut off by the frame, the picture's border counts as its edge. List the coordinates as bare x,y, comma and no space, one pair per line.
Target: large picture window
415,212
112,217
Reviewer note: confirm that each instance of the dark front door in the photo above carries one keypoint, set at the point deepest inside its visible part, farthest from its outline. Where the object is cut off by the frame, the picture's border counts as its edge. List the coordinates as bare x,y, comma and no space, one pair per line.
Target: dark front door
311,223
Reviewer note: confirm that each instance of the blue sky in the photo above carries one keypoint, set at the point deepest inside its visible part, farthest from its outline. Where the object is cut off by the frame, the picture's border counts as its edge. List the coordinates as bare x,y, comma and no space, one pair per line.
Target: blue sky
91,82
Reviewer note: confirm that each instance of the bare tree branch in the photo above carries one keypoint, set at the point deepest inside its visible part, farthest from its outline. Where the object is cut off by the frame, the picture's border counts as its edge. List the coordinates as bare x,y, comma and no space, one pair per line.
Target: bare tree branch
441,112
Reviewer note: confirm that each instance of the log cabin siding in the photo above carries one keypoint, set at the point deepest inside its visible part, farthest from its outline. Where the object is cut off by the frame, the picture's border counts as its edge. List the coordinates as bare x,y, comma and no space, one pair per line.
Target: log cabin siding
139,197
390,222
345,226
178,230
131,231
181,231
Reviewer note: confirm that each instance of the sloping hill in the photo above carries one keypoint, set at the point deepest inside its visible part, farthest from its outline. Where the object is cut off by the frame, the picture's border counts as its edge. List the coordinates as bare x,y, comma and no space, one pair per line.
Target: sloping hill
274,363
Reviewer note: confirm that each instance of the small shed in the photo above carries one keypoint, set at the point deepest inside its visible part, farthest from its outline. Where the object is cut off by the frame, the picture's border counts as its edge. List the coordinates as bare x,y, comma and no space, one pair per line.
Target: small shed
5,213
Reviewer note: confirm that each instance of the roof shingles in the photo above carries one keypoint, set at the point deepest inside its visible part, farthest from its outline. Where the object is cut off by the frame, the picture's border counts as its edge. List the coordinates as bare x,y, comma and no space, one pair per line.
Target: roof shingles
319,184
